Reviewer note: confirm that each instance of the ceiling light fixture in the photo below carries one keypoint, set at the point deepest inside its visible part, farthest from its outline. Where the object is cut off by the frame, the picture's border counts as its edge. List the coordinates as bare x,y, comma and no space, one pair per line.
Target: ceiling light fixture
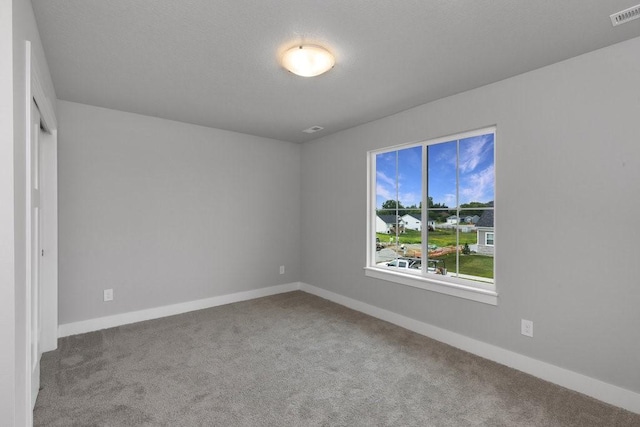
308,60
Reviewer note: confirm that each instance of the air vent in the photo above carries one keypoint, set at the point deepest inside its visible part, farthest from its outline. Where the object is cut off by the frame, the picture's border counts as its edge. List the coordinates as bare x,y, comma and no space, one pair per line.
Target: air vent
313,129
625,16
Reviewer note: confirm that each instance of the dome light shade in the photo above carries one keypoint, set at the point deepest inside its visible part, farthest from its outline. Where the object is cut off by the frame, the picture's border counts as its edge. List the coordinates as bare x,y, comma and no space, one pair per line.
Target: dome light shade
308,60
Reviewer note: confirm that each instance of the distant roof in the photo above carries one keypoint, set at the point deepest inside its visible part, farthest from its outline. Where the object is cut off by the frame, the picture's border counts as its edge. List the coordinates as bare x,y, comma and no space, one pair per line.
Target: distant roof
389,219
486,219
415,215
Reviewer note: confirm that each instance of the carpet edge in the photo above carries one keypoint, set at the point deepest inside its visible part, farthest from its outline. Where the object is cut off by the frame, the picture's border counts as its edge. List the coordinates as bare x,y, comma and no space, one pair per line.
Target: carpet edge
572,380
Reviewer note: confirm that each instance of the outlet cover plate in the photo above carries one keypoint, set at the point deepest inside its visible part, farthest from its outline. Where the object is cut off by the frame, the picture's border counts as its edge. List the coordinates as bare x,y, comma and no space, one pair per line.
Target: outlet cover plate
108,295
526,328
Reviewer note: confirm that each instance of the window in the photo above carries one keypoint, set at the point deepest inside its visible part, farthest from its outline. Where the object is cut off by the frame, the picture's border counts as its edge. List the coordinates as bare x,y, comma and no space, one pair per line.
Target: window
449,185
489,239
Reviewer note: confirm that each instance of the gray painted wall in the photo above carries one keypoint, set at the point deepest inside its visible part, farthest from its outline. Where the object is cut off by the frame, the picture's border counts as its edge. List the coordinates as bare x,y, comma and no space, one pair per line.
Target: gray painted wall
568,159
165,212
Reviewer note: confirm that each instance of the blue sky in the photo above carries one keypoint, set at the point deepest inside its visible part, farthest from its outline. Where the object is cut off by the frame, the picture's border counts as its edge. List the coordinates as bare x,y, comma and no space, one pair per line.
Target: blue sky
476,164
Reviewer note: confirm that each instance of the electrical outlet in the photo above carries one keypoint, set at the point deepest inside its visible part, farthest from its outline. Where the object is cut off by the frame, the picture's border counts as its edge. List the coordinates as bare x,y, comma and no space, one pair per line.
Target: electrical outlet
282,269
108,294
526,328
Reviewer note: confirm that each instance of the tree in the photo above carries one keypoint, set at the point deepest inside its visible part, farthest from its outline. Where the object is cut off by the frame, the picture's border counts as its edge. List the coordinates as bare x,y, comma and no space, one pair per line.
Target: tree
413,209
390,206
469,208
439,216
432,205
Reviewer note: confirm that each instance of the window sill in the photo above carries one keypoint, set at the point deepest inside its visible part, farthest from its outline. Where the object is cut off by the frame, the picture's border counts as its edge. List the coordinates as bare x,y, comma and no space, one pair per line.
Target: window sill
486,296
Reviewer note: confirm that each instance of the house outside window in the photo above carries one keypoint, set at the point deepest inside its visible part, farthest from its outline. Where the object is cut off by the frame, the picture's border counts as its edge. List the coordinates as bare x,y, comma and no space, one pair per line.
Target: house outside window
449,184
486,233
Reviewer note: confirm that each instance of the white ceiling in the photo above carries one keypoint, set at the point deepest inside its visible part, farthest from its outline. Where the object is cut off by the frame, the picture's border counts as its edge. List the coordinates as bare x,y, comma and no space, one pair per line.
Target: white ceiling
214,63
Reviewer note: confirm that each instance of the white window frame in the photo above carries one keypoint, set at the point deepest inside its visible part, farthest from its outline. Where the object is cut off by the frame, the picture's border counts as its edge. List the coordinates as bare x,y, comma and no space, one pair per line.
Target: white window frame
486,238
454,286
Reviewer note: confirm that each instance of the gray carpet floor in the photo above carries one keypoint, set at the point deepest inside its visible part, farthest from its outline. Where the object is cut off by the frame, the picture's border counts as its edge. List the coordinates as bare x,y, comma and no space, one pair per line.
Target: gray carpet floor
292,360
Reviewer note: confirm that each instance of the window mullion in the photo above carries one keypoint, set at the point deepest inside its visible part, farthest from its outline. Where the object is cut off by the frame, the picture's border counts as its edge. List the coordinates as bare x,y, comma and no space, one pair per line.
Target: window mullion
371,254
424,249
397,201
457,207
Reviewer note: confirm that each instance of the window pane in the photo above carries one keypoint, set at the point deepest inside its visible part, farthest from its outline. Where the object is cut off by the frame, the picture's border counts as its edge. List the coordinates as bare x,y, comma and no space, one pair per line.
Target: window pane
411,239
442,175
399,179
398,207
388,224
441,245
410,178
476,171
386,179
410,196
475,258
388,229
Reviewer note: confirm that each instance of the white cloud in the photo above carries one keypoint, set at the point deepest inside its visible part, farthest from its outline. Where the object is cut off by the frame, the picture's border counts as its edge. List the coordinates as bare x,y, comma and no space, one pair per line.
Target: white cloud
478,187
384,178
385,193
471,155
450,200
409,199
406,199
385,186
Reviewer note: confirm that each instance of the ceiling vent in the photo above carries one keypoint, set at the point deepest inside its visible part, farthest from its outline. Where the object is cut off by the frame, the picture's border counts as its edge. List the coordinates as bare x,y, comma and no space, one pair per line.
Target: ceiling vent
625,16
313,129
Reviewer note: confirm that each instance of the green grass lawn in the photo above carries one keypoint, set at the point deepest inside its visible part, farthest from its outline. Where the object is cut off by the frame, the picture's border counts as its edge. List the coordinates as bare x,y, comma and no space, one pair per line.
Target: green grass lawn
439,237
473,265
443,238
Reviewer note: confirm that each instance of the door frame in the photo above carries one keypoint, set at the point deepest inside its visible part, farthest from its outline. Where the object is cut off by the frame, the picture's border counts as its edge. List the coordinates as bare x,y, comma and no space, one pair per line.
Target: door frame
49,262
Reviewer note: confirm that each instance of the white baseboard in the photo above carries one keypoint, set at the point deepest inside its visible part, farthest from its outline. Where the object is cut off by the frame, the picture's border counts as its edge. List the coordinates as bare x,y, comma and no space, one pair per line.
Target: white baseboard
91,325
600,390
597,389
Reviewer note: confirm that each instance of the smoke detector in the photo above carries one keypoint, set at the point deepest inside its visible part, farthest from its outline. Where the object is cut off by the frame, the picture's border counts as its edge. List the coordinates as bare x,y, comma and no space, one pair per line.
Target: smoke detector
625,16
313,129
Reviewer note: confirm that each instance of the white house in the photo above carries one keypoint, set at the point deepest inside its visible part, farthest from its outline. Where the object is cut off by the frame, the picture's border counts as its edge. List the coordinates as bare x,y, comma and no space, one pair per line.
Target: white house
452,220
413,221
388,223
